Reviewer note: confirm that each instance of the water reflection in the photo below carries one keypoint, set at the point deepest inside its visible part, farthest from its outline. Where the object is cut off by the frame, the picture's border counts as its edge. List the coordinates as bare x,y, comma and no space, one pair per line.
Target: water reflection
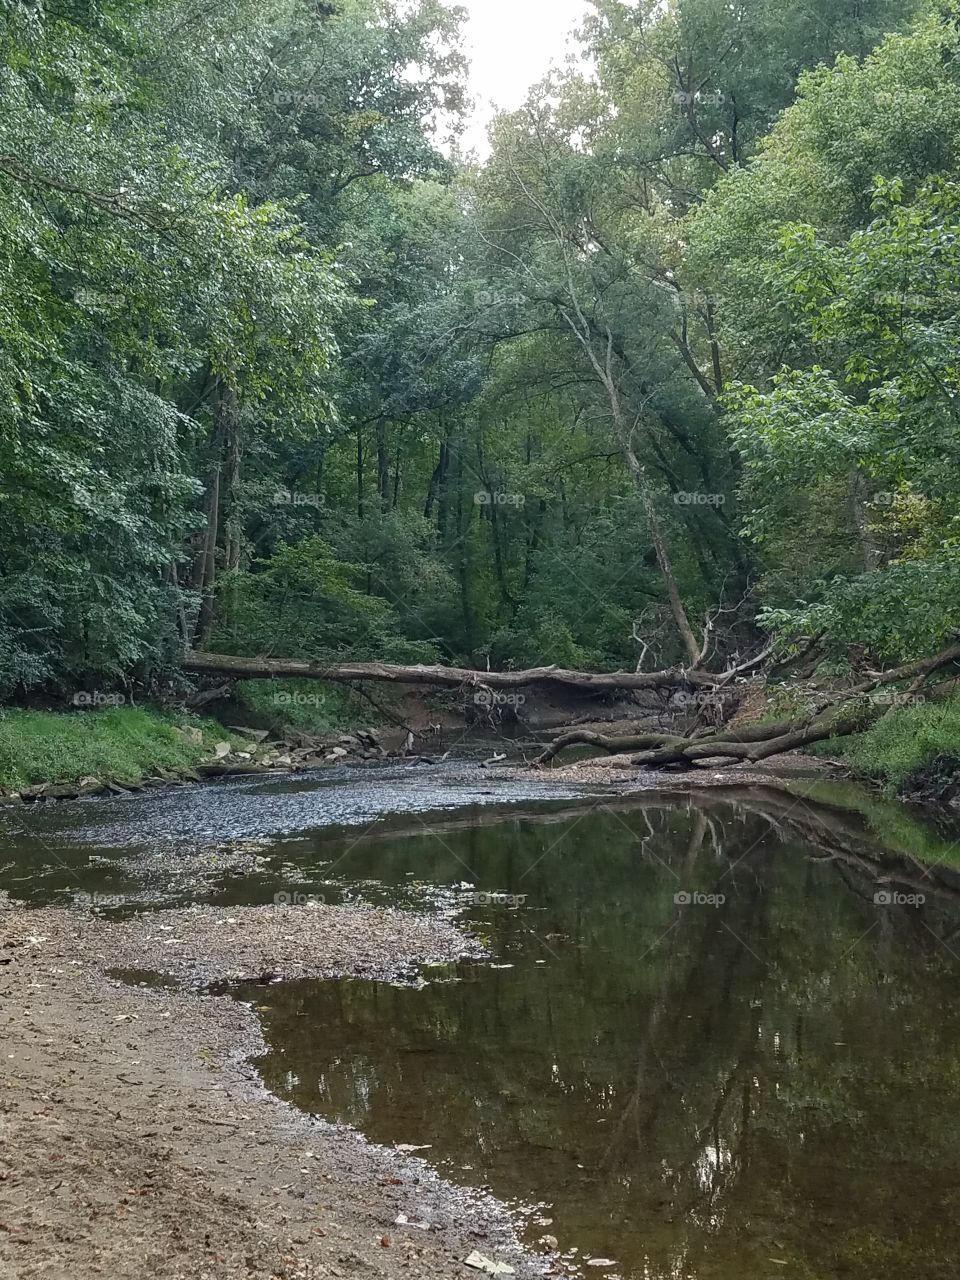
713,1053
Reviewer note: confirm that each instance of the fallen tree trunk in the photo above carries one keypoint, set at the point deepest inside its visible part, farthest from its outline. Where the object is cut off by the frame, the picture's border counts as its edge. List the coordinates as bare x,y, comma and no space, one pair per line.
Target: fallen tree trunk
603,742
751,752
442,677
845,712
663,741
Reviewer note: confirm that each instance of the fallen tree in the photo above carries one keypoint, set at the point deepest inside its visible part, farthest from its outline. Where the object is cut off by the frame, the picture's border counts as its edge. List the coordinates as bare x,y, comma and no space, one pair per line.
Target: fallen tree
846,711
843,711
445,677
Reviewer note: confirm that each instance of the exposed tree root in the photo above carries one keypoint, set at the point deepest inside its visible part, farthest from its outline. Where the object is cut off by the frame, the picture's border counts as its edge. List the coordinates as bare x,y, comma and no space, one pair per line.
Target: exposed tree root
846,711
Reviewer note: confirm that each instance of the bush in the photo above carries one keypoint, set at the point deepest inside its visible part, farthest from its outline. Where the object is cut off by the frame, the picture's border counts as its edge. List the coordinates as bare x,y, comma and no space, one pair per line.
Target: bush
904,741
310,705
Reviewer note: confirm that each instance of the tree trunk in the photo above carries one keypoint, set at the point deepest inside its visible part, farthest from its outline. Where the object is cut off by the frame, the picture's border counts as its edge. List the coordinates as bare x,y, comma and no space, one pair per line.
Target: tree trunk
434,488
443,677
209,562
443,484
231,479
664,560
383,466
221,514
604,370
861,522
204,571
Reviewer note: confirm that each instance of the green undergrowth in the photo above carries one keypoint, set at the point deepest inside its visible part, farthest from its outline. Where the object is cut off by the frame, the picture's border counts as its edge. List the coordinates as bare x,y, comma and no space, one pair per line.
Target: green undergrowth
904,743
309,705
122,743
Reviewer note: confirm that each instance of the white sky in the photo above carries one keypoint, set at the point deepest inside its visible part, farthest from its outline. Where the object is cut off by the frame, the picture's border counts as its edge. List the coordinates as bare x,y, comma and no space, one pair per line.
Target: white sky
510,44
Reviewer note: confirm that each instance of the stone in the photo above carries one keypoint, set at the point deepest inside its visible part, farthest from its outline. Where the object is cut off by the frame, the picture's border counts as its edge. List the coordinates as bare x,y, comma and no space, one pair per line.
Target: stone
255,735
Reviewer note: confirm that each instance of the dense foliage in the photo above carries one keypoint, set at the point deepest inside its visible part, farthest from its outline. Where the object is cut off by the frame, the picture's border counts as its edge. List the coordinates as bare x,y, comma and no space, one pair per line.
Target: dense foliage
281,372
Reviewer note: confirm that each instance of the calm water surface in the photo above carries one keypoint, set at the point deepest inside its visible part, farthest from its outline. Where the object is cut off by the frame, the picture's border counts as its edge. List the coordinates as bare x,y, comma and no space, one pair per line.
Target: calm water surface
702,1048
761,1081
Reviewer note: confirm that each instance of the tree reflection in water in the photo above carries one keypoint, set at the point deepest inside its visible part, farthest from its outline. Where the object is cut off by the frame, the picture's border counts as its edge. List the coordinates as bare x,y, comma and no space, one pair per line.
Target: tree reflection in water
702,1089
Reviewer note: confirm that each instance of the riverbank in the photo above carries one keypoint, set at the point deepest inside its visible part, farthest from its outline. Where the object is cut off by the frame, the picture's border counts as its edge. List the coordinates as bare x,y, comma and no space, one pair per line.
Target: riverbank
911,753
55,756
137,1140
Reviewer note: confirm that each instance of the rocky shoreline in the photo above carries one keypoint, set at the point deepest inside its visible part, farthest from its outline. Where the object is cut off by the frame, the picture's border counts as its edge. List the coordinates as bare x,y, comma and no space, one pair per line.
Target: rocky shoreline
260,754
137,1140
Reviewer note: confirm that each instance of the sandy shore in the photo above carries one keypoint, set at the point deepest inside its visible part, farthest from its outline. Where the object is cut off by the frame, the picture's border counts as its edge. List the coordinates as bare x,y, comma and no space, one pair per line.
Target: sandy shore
137,1141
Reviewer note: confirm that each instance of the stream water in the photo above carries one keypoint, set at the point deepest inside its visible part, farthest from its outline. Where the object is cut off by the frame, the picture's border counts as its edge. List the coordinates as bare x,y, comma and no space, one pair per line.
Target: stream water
717,1039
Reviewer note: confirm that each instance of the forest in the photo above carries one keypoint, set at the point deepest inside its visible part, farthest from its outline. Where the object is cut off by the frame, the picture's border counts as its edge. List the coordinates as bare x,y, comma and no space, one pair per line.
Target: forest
668,379
474,621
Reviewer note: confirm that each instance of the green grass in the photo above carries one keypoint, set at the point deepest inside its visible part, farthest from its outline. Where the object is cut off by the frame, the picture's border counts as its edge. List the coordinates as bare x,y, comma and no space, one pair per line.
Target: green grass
122,743
310,705
907,739
896,826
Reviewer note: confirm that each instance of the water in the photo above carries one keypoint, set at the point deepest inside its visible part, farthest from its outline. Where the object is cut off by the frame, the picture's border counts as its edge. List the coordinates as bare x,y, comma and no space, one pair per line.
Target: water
765,1086
702,1049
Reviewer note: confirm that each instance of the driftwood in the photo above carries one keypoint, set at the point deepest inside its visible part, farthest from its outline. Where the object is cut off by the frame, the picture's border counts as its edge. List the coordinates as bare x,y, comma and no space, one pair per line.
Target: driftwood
443,677
842,712
845,712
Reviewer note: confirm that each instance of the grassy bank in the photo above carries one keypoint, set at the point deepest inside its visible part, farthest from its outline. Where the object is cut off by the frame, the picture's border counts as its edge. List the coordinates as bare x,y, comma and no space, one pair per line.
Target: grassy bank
908,746
122,743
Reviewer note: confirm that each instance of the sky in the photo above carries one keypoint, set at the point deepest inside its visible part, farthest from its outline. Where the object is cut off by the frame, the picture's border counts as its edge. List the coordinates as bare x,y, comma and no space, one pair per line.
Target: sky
510,44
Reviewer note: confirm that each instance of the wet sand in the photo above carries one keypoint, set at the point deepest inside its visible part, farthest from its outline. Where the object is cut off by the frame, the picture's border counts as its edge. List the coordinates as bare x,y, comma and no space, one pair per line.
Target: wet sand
137,1141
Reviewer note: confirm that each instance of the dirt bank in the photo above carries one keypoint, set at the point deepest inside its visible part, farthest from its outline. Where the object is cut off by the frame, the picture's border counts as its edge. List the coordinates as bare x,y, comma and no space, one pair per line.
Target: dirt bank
136,1141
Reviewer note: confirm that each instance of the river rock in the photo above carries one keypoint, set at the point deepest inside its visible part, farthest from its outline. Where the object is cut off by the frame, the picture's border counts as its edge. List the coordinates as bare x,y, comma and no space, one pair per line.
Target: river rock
255,735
